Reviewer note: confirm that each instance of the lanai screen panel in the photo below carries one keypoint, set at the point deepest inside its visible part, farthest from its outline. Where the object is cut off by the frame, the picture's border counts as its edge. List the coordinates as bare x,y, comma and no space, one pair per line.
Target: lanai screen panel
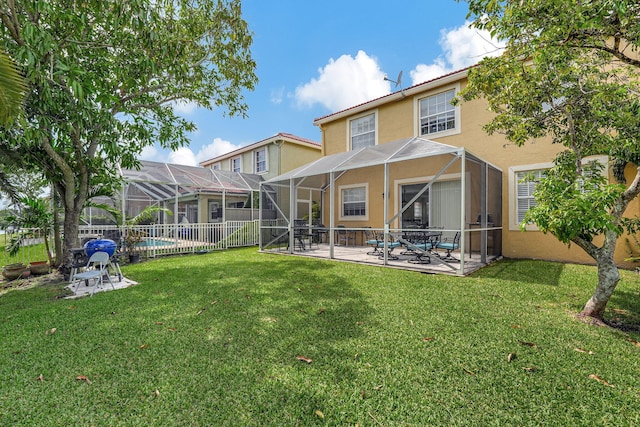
191,177
474,174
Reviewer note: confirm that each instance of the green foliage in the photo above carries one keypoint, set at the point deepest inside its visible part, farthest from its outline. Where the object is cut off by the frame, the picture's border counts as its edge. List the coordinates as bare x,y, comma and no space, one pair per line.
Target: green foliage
33,219
12,89
571,205
569,73
104,79
566,74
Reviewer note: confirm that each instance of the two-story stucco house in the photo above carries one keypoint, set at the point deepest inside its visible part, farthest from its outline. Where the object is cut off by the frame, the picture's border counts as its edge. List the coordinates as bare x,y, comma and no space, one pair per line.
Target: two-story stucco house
411,159
269,158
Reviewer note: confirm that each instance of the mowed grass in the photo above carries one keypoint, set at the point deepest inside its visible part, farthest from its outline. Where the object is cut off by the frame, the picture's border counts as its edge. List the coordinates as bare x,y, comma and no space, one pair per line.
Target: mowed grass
242,338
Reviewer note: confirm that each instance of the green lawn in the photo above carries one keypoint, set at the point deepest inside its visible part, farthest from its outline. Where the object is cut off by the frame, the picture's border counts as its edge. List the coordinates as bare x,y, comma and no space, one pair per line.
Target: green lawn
214,339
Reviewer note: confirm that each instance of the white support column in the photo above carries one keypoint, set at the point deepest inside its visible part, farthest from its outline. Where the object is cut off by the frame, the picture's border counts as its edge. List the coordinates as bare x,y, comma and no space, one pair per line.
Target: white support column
385,200
332,222
224,206
175,205
292,210
463,209
259,215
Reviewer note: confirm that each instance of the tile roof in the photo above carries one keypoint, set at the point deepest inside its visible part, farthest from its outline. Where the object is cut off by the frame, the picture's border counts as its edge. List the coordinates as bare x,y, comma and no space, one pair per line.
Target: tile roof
413,88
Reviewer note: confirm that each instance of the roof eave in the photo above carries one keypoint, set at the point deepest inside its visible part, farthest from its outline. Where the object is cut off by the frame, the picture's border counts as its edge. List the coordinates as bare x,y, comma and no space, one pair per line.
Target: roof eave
275,138
395,96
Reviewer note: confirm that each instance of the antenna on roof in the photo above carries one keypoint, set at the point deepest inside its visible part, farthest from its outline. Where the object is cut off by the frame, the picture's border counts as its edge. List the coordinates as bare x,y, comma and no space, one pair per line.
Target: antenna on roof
397,81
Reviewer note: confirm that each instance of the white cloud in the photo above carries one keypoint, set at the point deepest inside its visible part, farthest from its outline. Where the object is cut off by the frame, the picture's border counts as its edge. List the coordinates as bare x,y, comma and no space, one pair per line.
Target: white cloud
216,148
149,153
183,156
277,95
184,108
463,46
186,156
344,82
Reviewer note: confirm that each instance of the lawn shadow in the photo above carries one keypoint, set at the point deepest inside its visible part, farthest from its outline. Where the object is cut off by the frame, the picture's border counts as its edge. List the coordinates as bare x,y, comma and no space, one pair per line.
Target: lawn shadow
623,311
526,271
272,329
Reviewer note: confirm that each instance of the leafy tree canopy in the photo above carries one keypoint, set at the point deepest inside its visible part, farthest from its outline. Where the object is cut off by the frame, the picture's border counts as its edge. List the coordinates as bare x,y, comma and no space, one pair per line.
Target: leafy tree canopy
570,73
104,77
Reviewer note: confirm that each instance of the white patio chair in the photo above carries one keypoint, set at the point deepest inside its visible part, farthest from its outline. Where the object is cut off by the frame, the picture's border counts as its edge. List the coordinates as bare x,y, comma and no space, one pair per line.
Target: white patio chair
97,269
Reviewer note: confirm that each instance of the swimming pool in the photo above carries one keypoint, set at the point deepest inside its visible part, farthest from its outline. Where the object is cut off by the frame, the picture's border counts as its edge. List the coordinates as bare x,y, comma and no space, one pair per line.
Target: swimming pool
151,242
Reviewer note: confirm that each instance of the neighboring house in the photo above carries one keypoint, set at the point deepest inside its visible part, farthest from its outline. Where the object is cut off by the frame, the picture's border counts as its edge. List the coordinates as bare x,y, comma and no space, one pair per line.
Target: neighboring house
416,187
193,194
269,158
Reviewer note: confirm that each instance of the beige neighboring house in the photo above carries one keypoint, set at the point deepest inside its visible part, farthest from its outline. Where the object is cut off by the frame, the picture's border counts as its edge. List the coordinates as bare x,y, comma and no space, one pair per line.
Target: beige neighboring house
390,156
269,157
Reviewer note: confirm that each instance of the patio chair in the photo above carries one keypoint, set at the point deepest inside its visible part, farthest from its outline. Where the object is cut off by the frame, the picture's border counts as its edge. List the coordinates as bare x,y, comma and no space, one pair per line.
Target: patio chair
394,242
319,232
344,236
97,269
373,240
449,246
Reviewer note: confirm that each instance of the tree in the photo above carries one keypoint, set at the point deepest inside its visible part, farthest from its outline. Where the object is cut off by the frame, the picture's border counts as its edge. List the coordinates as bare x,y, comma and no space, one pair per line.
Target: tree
570,72
103,79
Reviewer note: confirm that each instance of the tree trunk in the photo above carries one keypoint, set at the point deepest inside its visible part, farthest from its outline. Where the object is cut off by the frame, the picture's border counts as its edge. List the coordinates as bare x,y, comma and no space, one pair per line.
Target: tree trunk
71,226
608,278
57,239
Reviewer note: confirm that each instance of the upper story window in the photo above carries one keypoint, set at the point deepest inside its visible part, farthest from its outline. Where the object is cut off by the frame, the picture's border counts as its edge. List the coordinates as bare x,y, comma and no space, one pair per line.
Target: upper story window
261,160
235,164
363,132
216,166
437,114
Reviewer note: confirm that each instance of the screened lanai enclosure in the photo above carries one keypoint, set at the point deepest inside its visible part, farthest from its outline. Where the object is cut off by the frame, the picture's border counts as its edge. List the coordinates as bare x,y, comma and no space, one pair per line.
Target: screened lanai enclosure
201,208
411,203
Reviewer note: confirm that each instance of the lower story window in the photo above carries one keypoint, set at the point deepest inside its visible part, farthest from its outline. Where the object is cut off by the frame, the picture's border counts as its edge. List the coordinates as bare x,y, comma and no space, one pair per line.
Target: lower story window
526,182
354,202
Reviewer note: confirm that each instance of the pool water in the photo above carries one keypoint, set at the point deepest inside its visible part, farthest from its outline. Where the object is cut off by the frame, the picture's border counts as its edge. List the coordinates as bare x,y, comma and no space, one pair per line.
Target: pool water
149,242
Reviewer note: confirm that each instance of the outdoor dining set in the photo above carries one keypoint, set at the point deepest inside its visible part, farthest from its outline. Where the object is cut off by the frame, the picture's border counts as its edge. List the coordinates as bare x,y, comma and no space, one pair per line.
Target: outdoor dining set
420,245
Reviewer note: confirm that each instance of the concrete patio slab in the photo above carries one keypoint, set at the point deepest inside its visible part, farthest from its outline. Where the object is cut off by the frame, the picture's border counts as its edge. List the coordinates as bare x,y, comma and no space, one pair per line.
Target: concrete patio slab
83,289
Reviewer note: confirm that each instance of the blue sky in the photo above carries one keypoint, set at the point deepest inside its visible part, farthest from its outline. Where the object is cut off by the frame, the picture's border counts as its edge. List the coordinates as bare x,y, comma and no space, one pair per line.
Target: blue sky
315,58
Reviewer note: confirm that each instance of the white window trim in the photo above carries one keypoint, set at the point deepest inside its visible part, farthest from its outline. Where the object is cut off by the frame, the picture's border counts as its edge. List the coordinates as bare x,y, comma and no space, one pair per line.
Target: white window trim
359,116
416,115
266,161
341,217
239,158
513,189
216,166
513,193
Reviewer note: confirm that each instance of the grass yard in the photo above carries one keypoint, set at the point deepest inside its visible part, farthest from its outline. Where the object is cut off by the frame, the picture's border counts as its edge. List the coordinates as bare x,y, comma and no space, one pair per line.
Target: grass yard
240,338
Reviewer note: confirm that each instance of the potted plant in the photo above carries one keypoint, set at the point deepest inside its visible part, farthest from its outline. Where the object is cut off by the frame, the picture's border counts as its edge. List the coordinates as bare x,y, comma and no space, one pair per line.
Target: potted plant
14,271
39,267
133,237
132,240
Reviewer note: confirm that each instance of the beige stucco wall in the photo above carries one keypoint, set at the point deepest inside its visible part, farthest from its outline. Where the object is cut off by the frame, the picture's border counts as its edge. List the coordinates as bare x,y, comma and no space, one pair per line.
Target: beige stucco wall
294,155
397,119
